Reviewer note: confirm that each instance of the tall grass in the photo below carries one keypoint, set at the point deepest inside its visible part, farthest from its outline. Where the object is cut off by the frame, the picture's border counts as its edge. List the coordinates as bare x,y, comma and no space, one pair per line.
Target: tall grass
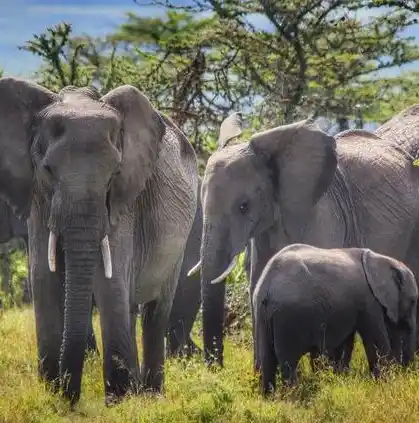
195,394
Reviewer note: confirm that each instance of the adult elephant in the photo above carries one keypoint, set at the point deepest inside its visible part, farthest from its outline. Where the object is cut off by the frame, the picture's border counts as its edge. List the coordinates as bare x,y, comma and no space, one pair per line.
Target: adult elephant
296,184
110,187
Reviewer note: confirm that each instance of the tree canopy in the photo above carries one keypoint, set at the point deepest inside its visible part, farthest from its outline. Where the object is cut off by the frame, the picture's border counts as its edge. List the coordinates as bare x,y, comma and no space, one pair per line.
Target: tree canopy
276,61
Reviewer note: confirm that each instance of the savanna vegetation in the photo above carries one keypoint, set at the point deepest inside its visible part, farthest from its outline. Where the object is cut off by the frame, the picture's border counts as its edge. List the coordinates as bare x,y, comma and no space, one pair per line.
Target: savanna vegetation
276,61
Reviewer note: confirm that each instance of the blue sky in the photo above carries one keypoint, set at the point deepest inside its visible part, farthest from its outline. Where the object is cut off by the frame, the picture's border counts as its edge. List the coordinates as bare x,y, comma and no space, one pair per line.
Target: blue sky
21,19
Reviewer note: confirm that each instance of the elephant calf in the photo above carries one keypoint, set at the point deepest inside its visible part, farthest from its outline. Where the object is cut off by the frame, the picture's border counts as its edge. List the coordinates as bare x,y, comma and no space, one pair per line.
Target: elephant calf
314,300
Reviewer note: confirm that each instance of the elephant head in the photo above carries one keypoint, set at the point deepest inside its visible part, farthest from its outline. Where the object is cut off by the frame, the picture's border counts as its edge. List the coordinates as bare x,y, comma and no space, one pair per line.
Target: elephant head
275,179
82,159
394,286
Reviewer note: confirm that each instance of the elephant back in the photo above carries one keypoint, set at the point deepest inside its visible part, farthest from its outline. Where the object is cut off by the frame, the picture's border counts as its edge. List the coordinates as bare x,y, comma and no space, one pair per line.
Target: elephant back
403,130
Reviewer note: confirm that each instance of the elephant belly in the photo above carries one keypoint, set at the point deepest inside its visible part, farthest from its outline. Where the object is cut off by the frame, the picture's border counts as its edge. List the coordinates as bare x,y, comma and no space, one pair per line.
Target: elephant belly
316,328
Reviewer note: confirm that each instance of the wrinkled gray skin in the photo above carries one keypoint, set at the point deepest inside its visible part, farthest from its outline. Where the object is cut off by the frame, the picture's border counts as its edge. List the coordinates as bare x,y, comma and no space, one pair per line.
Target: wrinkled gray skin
314,300
188,292
84,167
187,298
295,183
13,227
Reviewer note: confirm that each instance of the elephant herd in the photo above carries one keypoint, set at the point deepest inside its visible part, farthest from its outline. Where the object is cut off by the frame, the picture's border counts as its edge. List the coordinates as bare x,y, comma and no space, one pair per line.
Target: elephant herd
117,216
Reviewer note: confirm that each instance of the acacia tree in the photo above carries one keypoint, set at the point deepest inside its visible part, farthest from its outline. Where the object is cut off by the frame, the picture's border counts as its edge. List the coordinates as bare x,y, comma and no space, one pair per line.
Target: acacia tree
317,57
312,50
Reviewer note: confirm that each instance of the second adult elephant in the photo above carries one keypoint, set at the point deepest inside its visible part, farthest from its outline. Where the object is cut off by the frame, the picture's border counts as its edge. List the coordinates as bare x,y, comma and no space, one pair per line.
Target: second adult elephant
294,184
11,228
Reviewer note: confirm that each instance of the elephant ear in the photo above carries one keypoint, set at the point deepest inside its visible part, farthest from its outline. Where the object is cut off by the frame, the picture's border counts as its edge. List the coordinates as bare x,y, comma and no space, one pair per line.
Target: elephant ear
20,103
303,161
142,135
392,284
230,128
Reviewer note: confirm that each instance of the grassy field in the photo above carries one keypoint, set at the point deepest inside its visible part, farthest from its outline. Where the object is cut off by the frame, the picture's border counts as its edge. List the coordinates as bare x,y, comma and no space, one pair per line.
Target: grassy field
196,394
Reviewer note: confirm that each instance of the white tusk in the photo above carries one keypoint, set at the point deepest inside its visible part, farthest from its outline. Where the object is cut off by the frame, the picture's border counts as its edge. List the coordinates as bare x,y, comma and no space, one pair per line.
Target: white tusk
195,269
52,250
106,255
226,272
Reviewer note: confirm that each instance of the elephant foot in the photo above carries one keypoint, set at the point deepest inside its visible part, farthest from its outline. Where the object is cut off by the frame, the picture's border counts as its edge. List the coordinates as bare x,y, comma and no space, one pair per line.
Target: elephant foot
122,384
48,373
112,400
187,350
153,385
213,362
193,348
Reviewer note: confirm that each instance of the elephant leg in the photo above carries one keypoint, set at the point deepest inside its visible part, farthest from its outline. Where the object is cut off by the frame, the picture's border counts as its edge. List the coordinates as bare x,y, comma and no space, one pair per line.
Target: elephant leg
91,344
155,318
48,296
119,360
341,357
267,361
185,307
376,341
289,372
408,341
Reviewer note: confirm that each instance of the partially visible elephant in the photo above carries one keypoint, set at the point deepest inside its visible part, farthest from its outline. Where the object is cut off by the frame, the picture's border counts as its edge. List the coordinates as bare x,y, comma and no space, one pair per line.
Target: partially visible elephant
314,300
295,183
110,187
11,227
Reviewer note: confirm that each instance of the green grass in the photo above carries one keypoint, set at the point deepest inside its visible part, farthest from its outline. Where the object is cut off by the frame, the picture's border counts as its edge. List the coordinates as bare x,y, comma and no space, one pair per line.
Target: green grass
195,394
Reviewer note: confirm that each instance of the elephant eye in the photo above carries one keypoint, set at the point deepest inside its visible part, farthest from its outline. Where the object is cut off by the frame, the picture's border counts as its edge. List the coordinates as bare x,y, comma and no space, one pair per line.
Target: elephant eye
244,207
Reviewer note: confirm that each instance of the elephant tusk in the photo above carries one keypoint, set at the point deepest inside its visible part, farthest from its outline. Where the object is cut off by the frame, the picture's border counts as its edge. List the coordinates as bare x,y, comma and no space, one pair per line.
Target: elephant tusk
106,255
52,249
226,272
195,269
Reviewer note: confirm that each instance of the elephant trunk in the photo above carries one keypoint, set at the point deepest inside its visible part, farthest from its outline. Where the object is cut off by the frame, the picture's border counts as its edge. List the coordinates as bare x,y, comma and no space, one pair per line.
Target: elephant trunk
81,244
214,262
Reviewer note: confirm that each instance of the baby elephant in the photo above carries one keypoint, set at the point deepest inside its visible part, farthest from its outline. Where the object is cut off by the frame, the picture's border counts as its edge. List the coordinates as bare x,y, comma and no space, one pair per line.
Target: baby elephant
314,300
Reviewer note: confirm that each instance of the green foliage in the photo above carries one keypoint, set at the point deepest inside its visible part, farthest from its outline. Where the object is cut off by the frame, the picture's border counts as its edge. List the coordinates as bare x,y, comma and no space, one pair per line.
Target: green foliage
318,58
194,393
19,273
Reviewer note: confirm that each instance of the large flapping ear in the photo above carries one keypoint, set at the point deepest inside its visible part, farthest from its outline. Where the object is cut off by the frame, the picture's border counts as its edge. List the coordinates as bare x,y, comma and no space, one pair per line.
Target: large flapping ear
20,103
391,282
303,161
142,134
230,128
